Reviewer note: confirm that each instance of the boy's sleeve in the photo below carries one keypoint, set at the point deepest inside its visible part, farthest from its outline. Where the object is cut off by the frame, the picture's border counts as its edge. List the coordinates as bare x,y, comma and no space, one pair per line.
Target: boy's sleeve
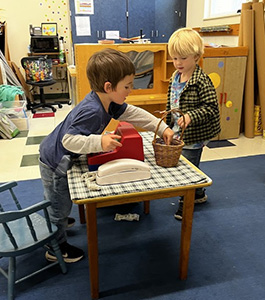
141,118
82,144
208,105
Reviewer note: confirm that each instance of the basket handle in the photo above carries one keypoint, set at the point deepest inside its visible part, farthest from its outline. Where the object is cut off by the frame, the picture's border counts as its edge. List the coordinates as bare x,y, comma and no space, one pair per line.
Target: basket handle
163,117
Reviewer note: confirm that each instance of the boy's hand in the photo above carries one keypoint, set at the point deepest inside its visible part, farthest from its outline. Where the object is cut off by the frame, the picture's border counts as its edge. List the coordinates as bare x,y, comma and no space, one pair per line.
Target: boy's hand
168,136
109,142
181,121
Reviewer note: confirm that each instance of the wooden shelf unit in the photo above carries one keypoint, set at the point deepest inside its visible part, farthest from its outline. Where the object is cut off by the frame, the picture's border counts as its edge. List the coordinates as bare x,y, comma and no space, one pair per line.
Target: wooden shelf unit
150,99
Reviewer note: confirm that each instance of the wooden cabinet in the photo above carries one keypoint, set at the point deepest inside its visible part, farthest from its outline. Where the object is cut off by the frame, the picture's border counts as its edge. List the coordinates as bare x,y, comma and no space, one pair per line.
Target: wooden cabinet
226,67
169,67
151,99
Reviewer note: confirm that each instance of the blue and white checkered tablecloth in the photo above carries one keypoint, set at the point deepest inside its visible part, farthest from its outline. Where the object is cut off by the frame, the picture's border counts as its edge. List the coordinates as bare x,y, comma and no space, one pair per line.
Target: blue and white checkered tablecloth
182,175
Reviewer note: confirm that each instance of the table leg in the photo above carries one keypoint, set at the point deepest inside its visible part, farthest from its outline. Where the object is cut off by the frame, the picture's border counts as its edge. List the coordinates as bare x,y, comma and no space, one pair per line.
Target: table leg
81,209
146,207
92,239
186,229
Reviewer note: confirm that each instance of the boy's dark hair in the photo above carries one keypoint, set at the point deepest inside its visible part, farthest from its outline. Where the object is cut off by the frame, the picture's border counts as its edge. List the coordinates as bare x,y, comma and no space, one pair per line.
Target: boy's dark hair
108,65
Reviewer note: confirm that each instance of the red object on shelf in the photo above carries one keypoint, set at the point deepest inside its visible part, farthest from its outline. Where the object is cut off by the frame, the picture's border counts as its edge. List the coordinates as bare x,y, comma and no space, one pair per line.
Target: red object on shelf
132,147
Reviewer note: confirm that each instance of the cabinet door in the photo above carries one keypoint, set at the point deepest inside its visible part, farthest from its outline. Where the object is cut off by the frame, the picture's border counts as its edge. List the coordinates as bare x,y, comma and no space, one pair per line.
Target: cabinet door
108,15
157,19
232,96
169,16
141,17
80,39
228,76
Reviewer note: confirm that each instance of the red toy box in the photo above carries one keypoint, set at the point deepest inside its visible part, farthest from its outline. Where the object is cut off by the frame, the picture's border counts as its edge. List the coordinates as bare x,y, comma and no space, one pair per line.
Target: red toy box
132,147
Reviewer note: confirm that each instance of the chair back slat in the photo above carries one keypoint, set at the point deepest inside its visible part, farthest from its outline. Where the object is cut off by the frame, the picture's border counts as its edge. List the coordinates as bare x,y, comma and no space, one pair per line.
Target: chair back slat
10,235
8,186
31,228
15,199
48,221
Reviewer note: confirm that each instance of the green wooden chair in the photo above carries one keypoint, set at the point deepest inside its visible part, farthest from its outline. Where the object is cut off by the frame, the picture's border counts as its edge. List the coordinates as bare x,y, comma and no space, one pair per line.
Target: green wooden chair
22,231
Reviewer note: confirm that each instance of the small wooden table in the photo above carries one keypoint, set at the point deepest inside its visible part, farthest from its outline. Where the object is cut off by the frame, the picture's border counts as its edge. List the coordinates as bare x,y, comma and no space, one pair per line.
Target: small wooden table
165,183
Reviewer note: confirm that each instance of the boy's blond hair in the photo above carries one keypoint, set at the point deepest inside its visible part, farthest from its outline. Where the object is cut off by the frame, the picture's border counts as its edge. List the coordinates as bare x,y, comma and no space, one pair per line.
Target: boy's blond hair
184,42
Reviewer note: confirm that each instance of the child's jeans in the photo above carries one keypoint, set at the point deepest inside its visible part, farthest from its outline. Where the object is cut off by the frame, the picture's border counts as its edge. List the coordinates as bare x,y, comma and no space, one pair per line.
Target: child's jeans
56,190
194,156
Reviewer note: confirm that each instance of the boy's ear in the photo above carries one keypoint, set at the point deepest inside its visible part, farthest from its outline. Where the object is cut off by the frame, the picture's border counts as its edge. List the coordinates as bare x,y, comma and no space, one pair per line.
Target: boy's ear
197,57
107,87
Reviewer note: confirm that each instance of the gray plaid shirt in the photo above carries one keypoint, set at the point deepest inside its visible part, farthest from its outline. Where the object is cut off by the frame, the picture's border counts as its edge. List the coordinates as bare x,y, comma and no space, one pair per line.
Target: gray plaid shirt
199,100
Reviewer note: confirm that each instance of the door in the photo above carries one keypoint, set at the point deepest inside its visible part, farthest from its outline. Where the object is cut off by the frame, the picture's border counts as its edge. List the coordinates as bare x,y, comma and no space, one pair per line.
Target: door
232,97
108,15
141,17
169,16
228,76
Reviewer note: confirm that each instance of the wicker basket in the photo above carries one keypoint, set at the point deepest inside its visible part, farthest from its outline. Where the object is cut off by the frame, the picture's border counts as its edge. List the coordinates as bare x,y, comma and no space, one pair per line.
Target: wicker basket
168,155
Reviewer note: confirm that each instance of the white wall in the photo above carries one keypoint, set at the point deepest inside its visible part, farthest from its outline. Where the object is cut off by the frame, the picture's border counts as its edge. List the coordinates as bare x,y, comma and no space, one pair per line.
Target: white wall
19,14
195,12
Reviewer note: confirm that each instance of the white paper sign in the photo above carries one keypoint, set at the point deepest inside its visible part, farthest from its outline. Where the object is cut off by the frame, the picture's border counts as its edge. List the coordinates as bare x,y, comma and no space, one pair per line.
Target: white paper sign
112,34
82,26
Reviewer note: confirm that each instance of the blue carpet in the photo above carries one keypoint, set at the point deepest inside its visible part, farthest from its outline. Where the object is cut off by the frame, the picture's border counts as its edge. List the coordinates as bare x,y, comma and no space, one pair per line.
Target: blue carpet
139,260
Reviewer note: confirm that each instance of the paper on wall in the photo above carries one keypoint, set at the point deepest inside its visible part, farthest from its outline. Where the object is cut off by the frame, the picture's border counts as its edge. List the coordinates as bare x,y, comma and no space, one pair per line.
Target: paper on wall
112,34
82,26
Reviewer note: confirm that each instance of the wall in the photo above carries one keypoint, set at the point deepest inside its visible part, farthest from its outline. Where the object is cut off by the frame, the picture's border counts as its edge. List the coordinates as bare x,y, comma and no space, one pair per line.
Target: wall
19,14
195,12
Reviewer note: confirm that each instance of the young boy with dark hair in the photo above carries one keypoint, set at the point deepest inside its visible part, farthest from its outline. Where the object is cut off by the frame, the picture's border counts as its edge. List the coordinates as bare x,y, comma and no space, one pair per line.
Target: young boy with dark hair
110,74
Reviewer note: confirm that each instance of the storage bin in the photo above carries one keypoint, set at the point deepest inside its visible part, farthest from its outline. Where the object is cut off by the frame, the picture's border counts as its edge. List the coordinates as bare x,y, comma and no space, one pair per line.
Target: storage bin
16,111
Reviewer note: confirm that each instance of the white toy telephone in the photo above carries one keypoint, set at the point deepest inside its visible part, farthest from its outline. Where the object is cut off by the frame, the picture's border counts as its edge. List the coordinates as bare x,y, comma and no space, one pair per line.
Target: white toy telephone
122,170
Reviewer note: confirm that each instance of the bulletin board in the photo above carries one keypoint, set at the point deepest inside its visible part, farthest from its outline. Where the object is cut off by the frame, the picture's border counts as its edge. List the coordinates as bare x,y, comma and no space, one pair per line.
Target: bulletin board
77,39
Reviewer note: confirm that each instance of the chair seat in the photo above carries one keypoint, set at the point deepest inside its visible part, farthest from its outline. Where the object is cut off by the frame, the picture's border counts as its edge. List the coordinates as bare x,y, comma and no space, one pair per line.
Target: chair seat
23,237
41,83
